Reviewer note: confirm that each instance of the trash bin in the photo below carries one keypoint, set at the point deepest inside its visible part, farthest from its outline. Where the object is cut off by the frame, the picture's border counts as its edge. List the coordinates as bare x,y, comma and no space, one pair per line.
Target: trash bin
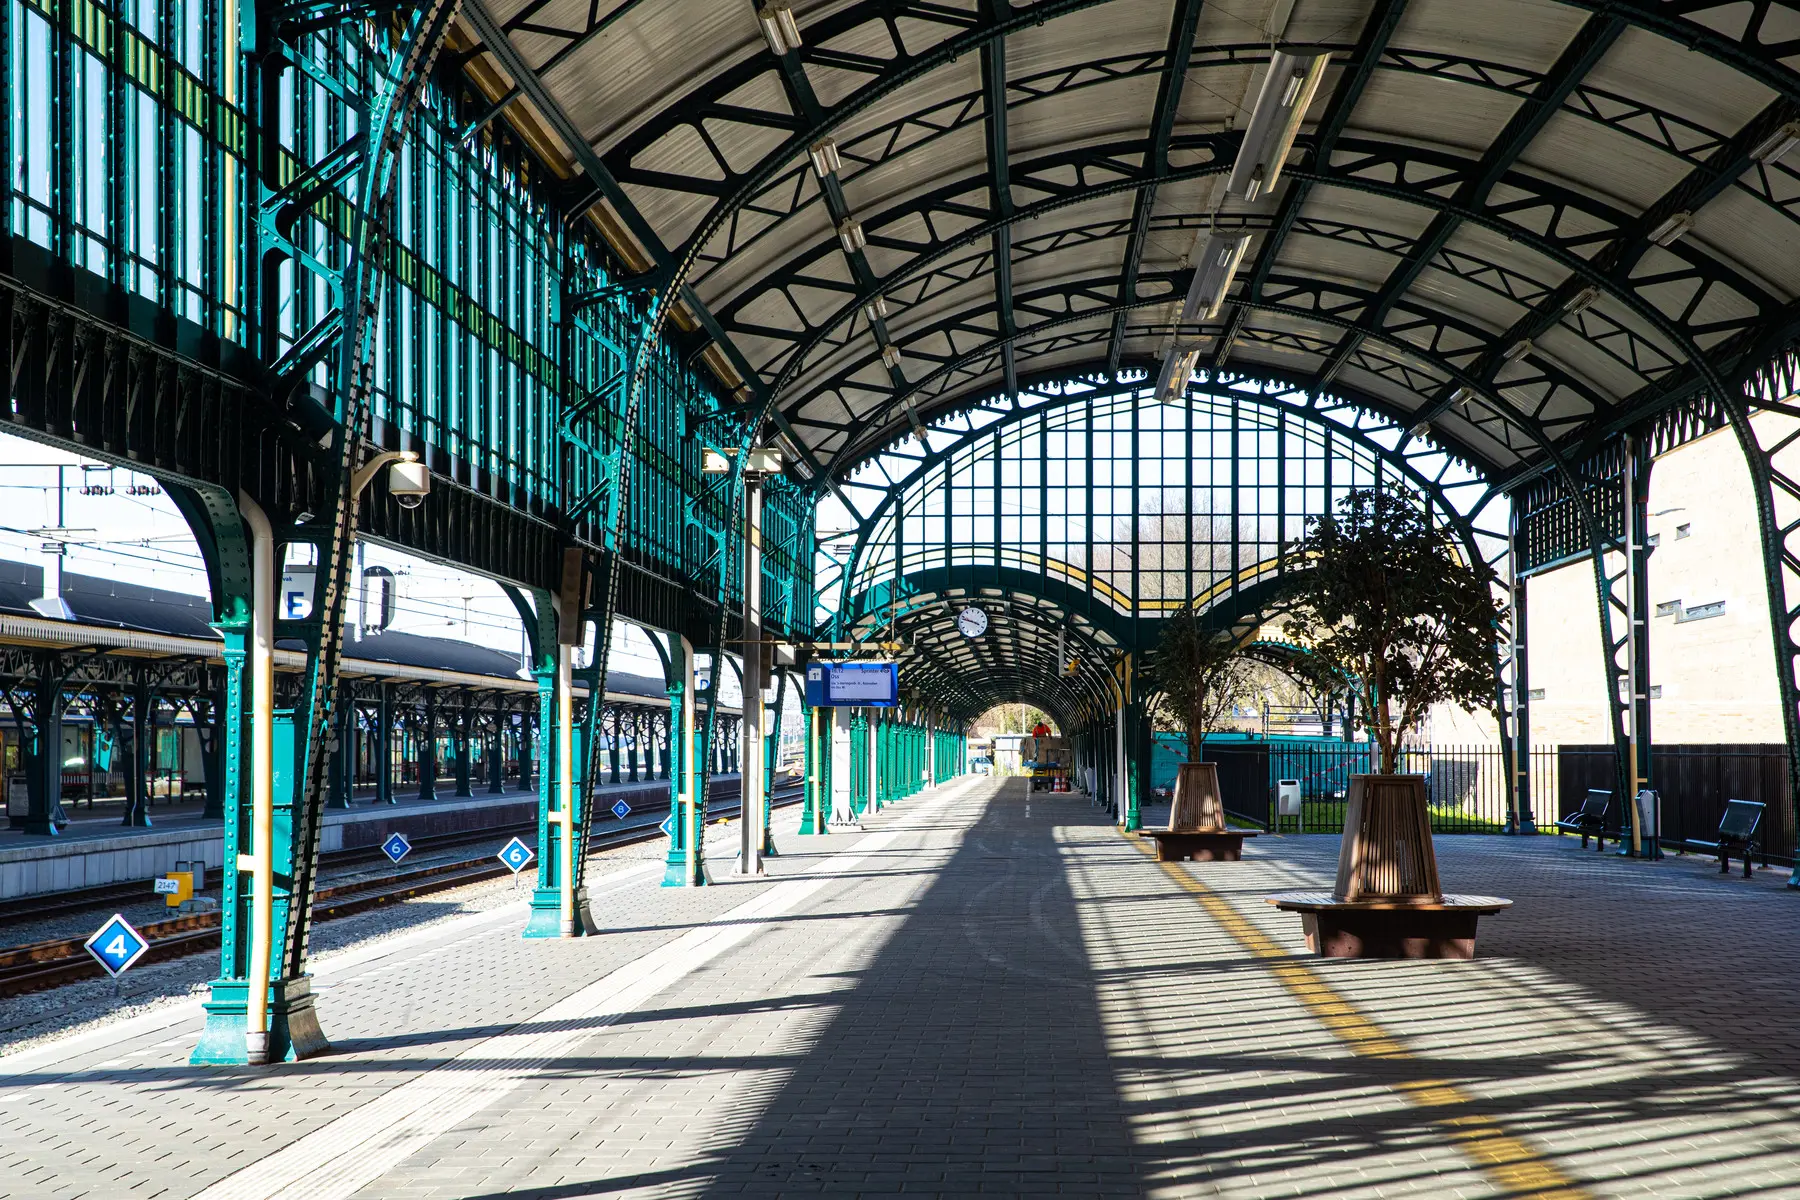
1287,801
1649,808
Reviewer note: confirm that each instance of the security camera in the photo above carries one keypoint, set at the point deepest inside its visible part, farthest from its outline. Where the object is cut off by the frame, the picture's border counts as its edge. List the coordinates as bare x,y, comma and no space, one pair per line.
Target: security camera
409,483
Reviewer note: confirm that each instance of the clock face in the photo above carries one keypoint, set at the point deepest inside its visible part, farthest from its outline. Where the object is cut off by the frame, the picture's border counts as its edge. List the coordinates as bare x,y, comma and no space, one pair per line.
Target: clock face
972,621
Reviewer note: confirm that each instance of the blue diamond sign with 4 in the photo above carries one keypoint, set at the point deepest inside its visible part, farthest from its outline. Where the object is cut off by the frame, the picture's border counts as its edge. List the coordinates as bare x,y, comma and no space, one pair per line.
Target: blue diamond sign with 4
396,847
117,945
668,826
621,809
515,854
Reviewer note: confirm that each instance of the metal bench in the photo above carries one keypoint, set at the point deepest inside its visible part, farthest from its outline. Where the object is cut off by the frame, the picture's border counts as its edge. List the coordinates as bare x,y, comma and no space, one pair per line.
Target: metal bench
1590,819
1740,830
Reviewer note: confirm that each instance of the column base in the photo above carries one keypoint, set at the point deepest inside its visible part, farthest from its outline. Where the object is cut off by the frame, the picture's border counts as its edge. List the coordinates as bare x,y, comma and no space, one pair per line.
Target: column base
675,872
810,825
545,920
294,1031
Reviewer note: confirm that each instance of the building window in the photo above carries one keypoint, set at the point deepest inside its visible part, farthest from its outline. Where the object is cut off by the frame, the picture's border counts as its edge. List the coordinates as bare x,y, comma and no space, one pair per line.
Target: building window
1535,694
1669,608
1656,691
1682,531
1654,539
1702,611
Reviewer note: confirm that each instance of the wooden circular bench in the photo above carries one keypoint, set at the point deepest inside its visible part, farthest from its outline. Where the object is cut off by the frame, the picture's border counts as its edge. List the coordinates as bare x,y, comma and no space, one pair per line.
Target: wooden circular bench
1389,928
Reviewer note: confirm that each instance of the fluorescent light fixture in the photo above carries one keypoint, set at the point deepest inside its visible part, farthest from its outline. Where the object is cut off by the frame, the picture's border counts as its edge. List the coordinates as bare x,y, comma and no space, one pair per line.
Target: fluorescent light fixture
825,158
890,355
713,463
779,28
1287,92
1585,297
1776,146
1517,350
1673,229
1463,395
850,232
876,309
1213,273
1420,430
1177,369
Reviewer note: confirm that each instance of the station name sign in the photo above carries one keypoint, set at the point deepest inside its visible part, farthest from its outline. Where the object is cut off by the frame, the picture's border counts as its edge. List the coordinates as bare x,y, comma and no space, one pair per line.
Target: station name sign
853,684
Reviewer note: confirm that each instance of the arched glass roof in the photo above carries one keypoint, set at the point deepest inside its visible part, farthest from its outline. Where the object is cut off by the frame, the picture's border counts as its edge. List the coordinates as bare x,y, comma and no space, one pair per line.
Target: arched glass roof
1081,514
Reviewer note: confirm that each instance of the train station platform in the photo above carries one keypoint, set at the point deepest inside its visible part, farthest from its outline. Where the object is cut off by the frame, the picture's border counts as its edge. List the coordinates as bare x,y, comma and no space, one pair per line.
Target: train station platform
96,851
987,991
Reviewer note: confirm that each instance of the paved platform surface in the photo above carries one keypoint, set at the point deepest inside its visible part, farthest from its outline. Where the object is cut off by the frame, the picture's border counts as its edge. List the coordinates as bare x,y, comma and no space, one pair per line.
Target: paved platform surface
989,993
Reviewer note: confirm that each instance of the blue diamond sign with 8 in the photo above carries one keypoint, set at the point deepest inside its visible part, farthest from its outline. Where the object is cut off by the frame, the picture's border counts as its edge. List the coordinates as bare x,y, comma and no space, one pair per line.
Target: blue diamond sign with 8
621,809
396,847
515,854
117,945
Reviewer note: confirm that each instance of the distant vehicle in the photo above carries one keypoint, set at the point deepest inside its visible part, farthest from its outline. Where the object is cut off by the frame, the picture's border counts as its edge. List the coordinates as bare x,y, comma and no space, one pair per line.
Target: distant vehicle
981,764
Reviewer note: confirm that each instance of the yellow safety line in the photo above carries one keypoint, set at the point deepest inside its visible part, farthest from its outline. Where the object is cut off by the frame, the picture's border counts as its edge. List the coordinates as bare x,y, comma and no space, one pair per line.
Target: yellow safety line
1505,1159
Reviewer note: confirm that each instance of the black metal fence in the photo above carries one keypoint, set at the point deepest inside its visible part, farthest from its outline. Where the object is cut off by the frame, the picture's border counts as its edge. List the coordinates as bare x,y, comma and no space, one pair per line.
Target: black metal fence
1467,791
1694,782
1465,786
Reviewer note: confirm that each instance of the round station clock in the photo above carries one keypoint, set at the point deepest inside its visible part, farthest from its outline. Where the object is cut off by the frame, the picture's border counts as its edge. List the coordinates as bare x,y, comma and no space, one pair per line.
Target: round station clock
972,621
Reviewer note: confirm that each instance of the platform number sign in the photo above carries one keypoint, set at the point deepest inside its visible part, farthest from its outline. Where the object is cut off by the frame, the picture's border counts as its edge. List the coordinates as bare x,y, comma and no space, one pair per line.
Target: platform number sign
117,945
668,826
620,809
515,854
396,847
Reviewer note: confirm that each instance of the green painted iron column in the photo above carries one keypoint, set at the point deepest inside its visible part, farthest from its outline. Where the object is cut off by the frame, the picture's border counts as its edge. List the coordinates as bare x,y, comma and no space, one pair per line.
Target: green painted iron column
812,811
771,752
224,546
684,866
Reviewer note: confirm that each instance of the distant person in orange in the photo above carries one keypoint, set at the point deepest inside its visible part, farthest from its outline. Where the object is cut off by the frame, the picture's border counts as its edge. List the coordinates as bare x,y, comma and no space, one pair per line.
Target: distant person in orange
1040,730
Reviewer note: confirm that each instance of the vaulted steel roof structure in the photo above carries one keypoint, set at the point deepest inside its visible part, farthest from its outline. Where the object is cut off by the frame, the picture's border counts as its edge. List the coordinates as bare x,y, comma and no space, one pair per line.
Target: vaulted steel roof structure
1507,231
1526,222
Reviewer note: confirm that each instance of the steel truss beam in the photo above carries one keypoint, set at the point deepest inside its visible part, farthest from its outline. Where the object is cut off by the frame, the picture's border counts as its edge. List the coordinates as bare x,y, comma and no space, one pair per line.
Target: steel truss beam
743,187
1378,28
740,188
1415,354
1162,128
1372,167
1592,42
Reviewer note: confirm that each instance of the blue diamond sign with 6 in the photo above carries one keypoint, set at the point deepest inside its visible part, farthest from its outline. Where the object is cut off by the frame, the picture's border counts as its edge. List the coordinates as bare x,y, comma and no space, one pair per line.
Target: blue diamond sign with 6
515,854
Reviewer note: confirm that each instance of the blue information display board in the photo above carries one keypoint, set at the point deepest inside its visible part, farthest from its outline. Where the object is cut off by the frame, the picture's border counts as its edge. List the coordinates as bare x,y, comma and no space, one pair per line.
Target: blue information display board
853,685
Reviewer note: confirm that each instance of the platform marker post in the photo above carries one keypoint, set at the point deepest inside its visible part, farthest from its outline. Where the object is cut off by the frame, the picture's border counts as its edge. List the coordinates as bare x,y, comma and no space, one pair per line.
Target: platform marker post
750,727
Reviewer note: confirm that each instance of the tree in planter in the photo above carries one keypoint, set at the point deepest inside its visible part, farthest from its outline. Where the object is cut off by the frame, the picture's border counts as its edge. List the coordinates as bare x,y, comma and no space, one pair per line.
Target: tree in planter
1385,600
1202,673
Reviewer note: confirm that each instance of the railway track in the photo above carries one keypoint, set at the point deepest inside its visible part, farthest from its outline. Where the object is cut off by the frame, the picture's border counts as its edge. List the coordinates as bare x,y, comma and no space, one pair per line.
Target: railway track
107,895
53,963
